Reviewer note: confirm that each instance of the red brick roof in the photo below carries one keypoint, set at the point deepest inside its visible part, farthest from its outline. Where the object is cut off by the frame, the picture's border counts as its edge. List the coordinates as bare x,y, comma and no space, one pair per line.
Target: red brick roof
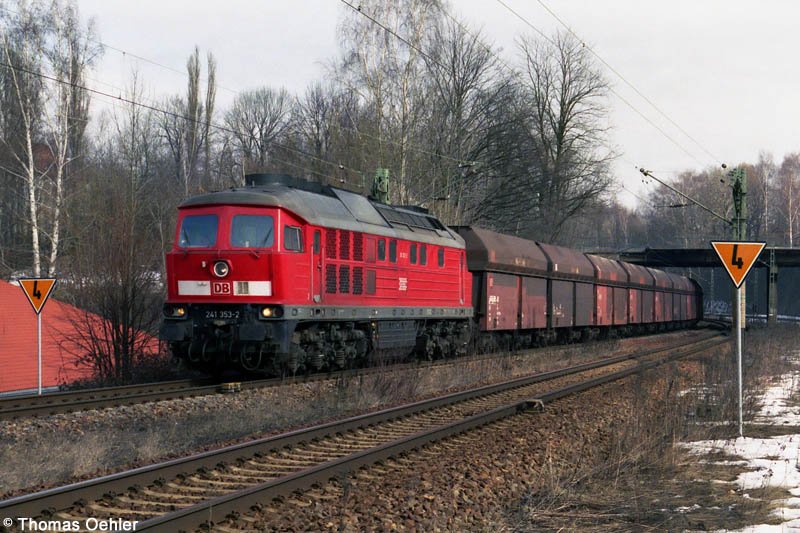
18,342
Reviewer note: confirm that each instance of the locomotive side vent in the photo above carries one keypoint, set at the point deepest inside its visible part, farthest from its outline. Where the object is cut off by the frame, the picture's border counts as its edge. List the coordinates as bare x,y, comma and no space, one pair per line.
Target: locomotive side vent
358,247
330,243
344,279
358,280
344,244
330,279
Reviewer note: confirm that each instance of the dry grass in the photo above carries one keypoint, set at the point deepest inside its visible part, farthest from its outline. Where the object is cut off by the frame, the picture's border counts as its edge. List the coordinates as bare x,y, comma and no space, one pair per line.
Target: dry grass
645,482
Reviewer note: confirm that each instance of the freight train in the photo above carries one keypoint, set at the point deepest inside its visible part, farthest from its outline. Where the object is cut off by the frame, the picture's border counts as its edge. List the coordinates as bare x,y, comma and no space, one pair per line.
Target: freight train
285,275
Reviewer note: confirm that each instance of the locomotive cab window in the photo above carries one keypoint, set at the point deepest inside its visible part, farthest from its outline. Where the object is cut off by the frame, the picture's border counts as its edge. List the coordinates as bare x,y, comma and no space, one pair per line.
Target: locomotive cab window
413,254
198,231
440,255
252,231
423,255
291,239
393,251
381,250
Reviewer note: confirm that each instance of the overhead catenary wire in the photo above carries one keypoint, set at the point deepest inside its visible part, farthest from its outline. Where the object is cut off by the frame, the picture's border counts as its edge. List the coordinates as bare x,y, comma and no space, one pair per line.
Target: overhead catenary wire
126,53
119,98
130,101
613,91
636,195
518,74
684,195
387,29
435,61
629,84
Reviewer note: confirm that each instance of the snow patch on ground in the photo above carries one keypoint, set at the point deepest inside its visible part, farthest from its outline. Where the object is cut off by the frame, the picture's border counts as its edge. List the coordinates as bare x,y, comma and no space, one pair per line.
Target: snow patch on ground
771,462
768,462
775,405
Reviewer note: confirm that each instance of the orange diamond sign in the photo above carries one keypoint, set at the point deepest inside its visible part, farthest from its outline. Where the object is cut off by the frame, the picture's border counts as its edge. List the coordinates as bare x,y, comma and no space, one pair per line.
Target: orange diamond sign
38,291
738,257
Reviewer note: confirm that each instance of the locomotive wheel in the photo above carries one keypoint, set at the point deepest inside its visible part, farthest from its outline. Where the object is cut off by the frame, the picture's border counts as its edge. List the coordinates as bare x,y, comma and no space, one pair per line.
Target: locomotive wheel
251,358
205,355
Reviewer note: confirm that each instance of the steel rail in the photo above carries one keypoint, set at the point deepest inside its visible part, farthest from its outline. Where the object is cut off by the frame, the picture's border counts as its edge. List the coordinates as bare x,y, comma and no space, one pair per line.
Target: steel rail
33,405
64,497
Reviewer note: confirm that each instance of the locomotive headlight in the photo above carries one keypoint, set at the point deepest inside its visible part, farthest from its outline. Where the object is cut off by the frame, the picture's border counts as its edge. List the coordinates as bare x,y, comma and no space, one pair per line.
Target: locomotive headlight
221,269
271,312
174,311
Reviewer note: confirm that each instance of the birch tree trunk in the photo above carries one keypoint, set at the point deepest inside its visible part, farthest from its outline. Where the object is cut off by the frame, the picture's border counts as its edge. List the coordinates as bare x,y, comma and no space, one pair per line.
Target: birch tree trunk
26,160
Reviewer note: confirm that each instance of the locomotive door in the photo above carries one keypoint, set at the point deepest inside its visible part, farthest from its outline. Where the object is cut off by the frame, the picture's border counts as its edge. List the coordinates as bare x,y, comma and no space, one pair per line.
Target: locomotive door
316,268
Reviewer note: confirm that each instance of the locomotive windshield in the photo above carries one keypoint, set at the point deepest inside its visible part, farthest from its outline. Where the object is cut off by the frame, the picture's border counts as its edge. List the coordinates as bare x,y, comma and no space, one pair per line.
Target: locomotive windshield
198,231
252,231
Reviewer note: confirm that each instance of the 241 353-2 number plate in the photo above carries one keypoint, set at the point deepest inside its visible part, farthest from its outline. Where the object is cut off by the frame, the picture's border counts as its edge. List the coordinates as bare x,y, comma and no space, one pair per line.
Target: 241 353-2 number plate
222,314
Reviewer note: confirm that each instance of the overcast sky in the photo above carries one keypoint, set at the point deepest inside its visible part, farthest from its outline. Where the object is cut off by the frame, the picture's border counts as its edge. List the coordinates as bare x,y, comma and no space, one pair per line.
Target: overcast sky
725,71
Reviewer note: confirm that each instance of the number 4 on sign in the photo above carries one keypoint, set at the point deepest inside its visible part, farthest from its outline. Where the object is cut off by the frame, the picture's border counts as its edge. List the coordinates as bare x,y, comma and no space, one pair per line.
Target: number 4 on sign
738,257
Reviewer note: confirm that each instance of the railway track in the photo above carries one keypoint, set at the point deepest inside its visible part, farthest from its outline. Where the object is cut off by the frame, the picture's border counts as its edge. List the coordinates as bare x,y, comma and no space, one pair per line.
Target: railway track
79,400
32,405
202,489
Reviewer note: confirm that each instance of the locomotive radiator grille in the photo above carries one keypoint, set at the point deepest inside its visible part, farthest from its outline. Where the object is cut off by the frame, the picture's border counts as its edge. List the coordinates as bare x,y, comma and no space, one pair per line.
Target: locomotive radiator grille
344,279
344,244
358,280
330,279
358,247
330,244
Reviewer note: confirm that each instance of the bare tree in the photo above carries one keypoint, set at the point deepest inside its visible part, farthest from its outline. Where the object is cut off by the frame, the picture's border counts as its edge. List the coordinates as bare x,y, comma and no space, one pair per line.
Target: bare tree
47,119
22,45
760,177
315,121
259,118
71,54
562,164
788,186
116,252
388,75
462,102
187,124
565,96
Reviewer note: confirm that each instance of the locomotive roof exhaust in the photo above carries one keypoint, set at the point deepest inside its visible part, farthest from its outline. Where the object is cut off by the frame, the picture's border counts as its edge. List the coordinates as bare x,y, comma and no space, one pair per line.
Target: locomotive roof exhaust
269,178
273,178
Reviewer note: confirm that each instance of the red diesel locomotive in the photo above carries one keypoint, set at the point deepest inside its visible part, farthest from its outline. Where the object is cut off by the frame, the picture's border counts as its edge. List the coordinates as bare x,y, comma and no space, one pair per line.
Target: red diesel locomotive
286,274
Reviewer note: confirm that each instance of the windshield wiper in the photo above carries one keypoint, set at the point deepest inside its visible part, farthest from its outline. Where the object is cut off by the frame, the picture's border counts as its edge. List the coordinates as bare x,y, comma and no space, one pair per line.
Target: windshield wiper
266,238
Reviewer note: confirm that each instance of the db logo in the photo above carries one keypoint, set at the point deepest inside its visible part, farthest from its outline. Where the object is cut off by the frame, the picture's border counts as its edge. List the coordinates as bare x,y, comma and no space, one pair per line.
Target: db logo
221,287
